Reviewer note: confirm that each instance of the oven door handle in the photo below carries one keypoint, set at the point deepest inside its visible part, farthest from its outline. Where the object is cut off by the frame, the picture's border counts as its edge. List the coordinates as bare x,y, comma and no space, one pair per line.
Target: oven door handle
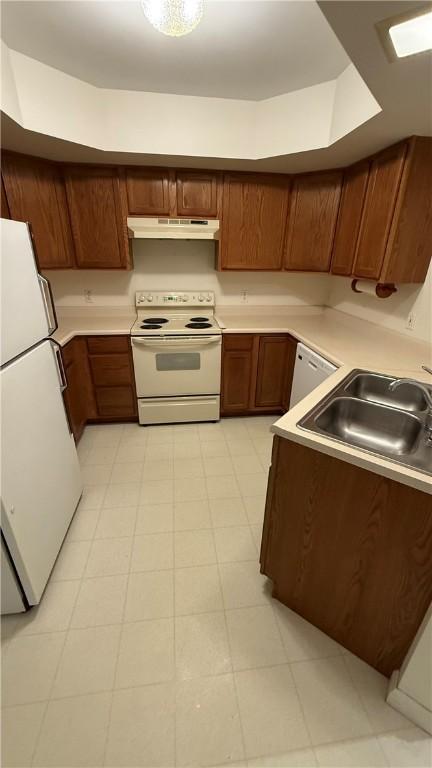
178,343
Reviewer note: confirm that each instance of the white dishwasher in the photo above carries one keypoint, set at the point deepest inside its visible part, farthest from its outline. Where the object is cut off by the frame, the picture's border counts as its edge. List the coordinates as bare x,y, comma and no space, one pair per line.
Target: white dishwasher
310,370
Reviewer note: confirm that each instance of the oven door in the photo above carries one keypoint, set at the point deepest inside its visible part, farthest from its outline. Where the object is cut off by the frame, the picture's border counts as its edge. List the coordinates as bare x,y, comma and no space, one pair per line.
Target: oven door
177,365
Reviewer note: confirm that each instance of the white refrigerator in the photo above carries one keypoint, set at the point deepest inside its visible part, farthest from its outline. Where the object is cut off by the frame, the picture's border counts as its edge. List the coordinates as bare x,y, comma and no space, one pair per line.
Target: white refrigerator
40,475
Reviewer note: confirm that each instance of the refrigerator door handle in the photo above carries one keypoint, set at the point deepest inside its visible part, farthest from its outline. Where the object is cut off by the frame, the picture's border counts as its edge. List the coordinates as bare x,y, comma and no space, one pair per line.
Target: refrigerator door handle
48,304
60,366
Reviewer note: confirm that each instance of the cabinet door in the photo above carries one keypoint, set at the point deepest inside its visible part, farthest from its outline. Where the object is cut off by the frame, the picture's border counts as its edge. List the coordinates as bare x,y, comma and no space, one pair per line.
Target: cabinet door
409,249
148,191
97,217
271,372
196,194
253,222
348,223
35,193
236,373
75,396
312,221
381,194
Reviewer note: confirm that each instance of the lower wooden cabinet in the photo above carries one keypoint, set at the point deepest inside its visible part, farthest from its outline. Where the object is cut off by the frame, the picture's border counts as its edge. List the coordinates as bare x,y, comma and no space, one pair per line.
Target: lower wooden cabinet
349,550
113,378
257,373
78,397
101,382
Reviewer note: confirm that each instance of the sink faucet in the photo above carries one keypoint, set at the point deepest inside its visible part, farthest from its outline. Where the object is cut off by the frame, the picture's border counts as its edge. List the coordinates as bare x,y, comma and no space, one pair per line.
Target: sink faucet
428,397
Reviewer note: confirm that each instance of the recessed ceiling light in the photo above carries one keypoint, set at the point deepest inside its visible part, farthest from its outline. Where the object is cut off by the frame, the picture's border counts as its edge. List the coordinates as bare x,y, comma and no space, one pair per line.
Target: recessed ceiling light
412,36
407,34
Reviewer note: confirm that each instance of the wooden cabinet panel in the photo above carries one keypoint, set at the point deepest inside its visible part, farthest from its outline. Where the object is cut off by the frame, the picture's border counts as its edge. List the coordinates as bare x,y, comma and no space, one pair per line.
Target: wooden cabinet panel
98,217
257,372
78,396
271,375
378,210
111,369
409,248
348,222
312,221
115,402
113,376
345,554
236,375
196,194
35,193
254,219
4,207
148,191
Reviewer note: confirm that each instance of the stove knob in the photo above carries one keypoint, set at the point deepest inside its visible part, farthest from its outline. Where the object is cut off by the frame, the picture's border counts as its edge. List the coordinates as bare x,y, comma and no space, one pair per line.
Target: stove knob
208,297
200,297
150,298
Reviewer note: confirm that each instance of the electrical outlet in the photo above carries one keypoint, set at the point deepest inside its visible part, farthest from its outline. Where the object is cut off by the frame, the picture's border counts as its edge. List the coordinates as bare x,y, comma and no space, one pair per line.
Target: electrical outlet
244,297
410,321
88,296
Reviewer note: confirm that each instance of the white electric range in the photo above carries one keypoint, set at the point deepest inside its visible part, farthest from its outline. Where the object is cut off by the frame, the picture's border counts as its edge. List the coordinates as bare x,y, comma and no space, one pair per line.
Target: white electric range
176,346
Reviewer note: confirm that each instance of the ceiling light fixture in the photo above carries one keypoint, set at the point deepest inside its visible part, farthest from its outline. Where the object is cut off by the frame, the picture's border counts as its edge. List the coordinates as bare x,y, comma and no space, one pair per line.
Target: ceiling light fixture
412,36
407,34
173,17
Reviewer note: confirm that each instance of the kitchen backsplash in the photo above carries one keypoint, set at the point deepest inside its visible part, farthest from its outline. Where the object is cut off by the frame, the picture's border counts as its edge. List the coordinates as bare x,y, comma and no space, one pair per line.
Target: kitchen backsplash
186,264
172,265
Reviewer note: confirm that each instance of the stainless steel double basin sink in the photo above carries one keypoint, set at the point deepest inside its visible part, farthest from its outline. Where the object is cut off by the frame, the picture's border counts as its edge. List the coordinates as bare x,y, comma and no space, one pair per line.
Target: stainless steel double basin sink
364,413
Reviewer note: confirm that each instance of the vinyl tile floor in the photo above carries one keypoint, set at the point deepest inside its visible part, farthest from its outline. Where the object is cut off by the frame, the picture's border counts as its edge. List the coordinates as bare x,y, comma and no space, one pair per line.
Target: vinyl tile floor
157,642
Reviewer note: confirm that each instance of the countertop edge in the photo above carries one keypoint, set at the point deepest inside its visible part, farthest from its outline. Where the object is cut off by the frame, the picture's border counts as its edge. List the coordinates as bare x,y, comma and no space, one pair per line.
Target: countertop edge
286,427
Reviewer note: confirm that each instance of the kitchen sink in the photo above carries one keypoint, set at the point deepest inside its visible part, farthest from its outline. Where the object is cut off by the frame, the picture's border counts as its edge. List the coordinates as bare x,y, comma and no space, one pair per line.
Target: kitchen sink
371,426
373,387
362,412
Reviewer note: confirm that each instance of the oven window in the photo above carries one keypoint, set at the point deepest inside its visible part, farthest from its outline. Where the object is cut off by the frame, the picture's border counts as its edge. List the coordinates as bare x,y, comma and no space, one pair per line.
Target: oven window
178,361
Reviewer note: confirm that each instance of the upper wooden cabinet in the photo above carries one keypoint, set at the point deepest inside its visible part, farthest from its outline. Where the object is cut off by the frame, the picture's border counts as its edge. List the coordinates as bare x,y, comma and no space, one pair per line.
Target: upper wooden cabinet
197,194
166,192
348,223
408,251
35,193
312,221
381,194
148,192
98,217
253,221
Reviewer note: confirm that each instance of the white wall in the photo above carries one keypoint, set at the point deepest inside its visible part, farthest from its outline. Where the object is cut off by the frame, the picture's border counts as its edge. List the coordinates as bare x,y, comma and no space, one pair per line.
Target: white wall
188,265
392,312
50,102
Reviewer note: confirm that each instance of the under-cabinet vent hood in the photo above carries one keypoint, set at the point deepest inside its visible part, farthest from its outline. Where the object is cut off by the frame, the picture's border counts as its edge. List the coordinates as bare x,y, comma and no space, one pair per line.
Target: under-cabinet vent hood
173,229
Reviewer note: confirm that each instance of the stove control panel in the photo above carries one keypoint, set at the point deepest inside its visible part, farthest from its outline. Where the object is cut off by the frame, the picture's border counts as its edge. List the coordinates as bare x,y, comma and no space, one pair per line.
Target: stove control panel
174,299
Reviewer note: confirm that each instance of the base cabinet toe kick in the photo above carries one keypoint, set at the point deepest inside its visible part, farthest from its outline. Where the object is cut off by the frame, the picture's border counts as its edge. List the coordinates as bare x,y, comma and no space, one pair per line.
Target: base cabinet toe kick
349,550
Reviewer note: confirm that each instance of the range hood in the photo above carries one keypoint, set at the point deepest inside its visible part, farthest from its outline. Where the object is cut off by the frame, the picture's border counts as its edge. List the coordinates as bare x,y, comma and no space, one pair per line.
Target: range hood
173,229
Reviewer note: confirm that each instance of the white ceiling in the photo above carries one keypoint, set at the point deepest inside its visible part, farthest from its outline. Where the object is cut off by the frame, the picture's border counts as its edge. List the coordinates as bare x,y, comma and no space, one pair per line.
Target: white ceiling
243,49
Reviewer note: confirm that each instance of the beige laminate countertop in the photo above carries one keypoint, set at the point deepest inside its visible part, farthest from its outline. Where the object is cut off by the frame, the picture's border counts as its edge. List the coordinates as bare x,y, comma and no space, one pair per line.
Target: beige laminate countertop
350,343
105,322
345,340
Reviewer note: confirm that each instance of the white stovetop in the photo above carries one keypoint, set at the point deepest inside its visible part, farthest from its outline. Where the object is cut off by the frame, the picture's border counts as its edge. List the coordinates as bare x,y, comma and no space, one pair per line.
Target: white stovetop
175,323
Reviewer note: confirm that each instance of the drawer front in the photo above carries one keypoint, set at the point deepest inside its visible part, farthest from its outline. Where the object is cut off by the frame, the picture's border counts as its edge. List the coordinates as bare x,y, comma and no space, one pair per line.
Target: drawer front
114,402
238,341
111,370
100,345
